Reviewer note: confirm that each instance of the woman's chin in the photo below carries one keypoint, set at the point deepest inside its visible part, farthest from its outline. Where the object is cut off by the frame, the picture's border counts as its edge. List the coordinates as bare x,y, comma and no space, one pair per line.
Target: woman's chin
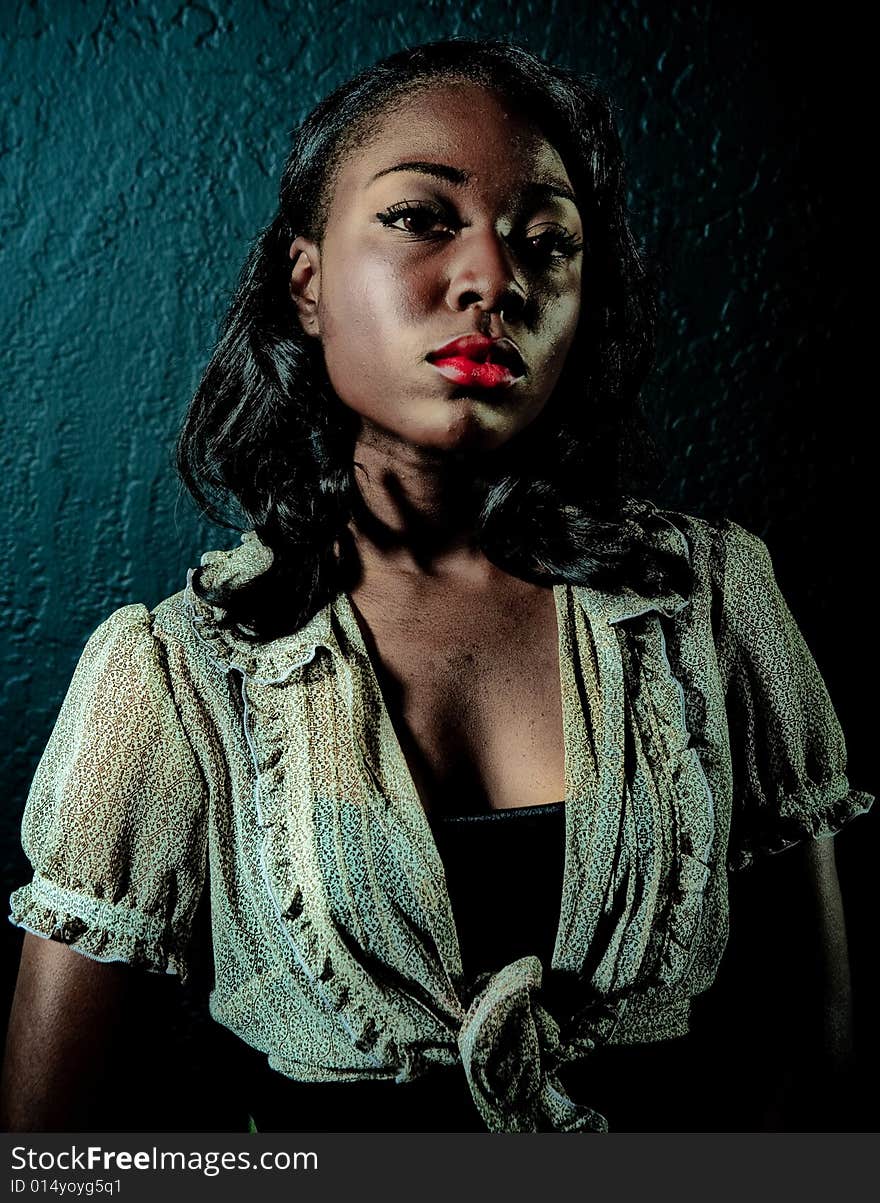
466,423
468,428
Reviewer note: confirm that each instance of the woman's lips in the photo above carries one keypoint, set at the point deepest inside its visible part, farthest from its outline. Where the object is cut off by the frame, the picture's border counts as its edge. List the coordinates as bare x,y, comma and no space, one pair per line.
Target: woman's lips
477,360
469,371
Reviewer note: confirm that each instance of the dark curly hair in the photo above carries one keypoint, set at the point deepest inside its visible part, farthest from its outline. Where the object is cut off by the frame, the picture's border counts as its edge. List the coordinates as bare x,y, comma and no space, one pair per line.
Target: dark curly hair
266,432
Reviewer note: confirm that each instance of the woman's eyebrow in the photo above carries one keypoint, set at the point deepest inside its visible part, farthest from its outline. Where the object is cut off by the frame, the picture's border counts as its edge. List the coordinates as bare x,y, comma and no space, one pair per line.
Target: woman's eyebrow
536,190
440,171
543,190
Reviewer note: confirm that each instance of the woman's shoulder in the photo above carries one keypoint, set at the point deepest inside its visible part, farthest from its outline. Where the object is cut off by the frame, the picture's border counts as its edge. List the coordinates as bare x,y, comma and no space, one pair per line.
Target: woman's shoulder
705,528
730,567
718,546
180,633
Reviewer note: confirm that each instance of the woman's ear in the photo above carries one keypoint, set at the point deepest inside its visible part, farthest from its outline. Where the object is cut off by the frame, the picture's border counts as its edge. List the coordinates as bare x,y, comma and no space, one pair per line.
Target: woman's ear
305,283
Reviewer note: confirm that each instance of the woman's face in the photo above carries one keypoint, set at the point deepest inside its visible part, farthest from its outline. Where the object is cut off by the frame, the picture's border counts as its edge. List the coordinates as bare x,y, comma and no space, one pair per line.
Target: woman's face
458,218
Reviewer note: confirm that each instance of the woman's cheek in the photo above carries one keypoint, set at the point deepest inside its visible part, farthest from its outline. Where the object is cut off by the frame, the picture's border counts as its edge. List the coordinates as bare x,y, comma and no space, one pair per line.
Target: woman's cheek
560,316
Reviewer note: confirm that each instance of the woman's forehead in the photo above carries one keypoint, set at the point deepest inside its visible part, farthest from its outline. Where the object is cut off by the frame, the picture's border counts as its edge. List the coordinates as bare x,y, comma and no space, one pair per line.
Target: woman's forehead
467,128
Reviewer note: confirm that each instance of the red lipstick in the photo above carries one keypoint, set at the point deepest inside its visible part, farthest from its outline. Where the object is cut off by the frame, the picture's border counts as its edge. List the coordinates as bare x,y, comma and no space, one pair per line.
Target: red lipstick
477,360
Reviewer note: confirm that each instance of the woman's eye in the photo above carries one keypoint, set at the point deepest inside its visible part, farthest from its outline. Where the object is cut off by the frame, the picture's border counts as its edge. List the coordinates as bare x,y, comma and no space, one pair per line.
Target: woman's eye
553,242
422,220
413,217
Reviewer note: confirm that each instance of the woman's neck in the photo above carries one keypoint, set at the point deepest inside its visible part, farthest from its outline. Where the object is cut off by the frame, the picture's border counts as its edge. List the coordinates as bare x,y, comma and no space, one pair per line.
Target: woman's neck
417,512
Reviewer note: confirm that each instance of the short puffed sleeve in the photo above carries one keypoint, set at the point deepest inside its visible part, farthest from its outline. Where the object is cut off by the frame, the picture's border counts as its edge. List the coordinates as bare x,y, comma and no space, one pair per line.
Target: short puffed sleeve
787,747
115,821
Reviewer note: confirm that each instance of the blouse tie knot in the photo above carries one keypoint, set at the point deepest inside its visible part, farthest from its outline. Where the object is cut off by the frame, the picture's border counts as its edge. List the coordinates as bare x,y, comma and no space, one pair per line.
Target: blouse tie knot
510,1047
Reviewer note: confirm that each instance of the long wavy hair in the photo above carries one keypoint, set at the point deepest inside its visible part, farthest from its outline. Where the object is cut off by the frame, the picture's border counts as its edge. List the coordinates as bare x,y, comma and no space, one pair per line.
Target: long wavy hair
267,444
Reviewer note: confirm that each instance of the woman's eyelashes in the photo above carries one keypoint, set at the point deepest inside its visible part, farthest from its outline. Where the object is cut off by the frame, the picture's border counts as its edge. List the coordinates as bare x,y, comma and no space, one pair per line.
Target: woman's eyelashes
415,217
424,221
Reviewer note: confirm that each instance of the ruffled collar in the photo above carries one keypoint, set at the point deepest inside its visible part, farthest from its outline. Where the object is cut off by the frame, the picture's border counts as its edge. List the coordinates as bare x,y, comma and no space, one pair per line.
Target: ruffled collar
269,661
273,660
657,532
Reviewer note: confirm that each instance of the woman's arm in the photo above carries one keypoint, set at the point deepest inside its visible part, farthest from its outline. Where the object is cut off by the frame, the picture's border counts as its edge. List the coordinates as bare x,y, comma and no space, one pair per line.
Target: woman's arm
820,871
80,1044
790,913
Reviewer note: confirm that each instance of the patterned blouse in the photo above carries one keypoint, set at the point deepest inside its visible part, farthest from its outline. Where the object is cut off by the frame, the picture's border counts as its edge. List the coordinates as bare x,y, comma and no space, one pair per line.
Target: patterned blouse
698,734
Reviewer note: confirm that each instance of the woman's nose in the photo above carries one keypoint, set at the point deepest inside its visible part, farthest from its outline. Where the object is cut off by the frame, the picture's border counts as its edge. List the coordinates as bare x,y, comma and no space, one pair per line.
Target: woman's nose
484,274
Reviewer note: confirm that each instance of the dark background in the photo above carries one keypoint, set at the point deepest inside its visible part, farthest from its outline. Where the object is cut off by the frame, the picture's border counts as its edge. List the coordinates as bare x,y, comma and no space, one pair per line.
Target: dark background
140,151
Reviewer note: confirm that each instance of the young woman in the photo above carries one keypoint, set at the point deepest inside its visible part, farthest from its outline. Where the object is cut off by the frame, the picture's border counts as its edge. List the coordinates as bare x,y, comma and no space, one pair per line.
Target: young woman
456,750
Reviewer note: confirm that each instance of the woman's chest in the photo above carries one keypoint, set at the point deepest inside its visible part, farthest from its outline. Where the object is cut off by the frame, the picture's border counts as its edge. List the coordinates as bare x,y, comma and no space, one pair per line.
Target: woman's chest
330,820
472,689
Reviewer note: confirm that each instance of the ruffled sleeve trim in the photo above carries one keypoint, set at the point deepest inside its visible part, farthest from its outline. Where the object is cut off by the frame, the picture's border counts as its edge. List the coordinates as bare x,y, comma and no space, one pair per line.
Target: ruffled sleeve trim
95,928
814,812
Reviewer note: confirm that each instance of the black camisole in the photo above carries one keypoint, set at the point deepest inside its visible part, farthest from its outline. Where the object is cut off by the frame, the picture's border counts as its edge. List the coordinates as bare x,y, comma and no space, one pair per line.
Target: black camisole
504,875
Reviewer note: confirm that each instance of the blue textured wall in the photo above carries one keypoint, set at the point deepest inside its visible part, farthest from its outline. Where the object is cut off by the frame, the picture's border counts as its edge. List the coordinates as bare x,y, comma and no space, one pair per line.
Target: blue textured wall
140,150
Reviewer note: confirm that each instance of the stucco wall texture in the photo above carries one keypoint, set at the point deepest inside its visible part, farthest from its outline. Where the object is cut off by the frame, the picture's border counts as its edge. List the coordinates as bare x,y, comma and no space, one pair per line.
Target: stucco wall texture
140,151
